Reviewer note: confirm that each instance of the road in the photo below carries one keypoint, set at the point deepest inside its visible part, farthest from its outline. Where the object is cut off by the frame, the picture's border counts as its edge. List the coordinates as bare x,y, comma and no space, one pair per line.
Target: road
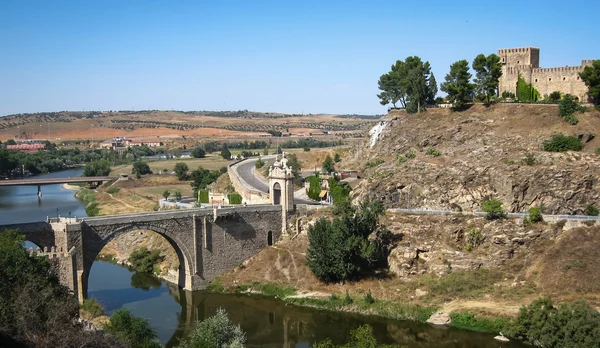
251,180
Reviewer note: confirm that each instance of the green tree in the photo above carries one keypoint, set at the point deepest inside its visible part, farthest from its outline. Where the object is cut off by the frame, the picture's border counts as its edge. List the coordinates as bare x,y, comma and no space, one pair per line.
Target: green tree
137,332
591,210
328,166
493,208
535,215
361,337
567,108
408,82
575,324
591,77
554,96
140,168
215,331
143,260
458,84
295,165
178,195
562,143
198,152
525,91
266,151
259,163
314,188
432,90
487,75
181,170
166,194
97,168
225,153
340,249
10,142
337,158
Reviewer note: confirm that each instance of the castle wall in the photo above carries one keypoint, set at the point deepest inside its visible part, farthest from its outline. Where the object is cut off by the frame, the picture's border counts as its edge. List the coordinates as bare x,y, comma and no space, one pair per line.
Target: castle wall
564,79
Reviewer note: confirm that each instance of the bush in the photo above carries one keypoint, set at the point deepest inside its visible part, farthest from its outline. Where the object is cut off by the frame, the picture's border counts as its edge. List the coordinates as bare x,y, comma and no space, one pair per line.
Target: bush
198,152
177,196
433,152
573,325
591,210
259,164
314,188
181,170
529,159
143,260
306,149
561,223
411,155
166,194
373,164
361,337
113,190
97,168
471,322
567,108
341,250
347,299
473,238
562,143
203,196
234,198
598,151
554,96
337,158
535,215
92,307
400,159
369,298
133,330
215,331
493,208
140,168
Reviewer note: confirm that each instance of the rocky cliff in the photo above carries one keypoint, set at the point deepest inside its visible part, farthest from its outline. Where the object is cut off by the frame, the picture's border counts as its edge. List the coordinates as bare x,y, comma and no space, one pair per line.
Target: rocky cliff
461,158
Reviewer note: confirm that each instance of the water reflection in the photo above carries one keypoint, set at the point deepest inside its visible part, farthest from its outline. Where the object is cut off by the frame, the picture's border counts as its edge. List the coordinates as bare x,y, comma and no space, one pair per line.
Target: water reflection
145,281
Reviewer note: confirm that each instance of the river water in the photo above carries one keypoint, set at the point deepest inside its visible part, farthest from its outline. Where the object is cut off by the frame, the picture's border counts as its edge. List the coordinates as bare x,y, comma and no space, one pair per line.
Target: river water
173,312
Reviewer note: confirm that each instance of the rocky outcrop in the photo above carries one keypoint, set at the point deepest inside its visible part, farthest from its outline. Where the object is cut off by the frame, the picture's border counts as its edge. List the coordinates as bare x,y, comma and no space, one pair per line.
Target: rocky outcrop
483,153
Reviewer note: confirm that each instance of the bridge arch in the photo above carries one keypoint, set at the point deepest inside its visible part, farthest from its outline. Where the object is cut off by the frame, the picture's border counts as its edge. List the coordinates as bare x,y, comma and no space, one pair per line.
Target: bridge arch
95,242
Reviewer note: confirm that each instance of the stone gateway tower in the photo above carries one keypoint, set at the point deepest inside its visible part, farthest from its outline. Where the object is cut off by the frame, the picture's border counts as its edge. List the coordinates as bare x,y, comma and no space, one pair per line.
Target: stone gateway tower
526,62
281,188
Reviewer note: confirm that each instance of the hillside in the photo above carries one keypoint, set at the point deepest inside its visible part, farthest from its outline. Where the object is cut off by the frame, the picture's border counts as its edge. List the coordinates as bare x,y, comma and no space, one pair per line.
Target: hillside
83,125
482,152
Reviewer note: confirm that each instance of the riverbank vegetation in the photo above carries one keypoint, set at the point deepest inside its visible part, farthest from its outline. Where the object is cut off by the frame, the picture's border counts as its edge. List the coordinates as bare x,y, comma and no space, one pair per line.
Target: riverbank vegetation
144,260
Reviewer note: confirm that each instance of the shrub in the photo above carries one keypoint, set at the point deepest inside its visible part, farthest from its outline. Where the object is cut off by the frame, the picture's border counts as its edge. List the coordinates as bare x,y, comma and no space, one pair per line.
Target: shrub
203,196
554,96
411,155
181,170
562,143
361,337
433,152
177,195
598,151
113,190
591,210
314,188
133,330
337,158
259,163
529,159
493,208
92,307
473,238
215,331
166,194
347,299
471,322
369,298
374,163
198,152
567,108
234,198
572,324
535,215
143,260
306,149
561,223
400,159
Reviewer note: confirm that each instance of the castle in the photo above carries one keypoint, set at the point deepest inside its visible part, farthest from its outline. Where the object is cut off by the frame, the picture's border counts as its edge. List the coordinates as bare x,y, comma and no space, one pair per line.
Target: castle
526,62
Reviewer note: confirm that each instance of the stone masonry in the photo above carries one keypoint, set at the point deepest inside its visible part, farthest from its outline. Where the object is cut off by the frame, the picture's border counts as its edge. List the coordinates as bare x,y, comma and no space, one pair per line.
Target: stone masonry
526,62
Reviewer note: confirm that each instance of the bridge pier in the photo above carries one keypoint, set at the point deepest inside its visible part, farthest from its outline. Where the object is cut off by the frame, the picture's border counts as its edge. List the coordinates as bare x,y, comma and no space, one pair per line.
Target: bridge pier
39,192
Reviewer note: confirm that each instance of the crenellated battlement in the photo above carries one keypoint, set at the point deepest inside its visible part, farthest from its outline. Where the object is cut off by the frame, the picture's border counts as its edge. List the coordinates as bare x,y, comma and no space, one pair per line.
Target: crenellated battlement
567,69
517,50
52,253
587,62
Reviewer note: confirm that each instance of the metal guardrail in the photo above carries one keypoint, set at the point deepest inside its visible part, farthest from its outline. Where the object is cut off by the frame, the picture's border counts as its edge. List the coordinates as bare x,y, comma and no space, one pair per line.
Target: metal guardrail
481,213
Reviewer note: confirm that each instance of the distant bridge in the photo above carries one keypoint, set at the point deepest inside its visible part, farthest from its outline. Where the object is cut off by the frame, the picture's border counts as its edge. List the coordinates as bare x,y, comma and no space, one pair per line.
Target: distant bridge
91,180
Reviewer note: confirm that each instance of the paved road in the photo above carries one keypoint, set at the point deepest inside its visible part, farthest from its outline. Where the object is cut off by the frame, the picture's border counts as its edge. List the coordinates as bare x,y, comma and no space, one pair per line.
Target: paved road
51,181
245,172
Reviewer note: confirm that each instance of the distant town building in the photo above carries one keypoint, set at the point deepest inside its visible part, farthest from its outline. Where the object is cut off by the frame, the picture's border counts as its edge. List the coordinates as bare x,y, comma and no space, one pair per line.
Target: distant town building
526,63
26,147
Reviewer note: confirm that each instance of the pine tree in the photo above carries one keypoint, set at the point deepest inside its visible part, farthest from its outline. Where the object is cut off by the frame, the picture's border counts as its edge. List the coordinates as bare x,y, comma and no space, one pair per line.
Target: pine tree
458,84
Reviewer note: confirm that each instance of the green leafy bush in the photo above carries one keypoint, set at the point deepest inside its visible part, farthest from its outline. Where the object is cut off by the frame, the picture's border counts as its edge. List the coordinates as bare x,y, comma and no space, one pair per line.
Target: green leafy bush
567,108
361,337
314,188
181,171
113,190
347,299
562,143
411,155
473,238
92,308
535,215
433,152
259,163
137,332
143,260
215,331
374,163
203,196
591,210
234,198
529,159
369,297
400,159
575,324
471,322
493,208
526,92
598,151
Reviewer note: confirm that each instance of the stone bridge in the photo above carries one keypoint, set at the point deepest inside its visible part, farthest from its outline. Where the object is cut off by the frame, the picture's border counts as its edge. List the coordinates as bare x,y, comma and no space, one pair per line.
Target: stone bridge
208,242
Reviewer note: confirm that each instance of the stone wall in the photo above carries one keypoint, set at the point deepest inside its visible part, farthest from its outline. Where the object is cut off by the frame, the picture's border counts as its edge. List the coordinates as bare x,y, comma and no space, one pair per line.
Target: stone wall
525,61
249,195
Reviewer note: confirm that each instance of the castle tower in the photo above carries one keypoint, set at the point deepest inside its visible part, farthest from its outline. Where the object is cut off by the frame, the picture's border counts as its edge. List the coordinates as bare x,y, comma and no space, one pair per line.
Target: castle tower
515,62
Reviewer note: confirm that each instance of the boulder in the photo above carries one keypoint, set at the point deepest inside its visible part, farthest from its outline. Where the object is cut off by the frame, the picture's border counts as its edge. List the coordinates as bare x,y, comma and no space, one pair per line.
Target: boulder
439,318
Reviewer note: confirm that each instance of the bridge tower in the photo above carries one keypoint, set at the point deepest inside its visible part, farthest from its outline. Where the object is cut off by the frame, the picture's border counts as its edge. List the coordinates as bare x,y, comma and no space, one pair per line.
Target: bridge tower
281,188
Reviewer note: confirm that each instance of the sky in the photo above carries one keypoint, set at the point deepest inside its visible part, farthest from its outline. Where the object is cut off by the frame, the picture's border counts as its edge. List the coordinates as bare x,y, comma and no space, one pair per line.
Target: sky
300,56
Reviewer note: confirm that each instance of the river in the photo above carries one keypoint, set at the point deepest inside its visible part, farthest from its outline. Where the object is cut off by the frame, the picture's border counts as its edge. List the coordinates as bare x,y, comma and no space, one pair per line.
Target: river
173,312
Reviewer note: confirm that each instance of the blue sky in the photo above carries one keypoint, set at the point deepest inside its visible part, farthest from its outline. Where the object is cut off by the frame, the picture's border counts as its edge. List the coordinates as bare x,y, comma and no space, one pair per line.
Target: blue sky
282,56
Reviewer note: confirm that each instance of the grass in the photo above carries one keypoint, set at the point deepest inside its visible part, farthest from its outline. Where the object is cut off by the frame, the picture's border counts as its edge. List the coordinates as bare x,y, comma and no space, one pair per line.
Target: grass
274,290
184,188
471,322
470,284
91,309
212,163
